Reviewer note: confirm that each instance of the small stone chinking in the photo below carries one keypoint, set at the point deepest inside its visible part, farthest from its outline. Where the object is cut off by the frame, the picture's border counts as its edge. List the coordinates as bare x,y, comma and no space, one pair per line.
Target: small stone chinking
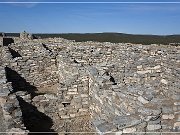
107,87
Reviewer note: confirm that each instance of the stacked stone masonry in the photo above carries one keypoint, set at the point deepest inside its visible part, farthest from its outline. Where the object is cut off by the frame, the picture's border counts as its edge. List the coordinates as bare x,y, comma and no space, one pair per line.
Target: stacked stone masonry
11,117
102,88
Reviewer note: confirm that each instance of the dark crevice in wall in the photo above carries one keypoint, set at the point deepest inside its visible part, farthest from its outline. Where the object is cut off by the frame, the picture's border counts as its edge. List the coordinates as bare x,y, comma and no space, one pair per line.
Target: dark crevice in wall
113,80
14,53
66,104
107,73
75,61
34,120
45,46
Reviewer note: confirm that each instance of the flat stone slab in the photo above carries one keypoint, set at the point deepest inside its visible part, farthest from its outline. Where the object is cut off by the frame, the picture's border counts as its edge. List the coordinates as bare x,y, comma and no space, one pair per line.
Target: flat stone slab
4,92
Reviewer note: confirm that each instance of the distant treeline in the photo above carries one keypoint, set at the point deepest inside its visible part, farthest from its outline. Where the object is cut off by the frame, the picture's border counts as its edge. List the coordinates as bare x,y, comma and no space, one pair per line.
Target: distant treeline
112,37
10,34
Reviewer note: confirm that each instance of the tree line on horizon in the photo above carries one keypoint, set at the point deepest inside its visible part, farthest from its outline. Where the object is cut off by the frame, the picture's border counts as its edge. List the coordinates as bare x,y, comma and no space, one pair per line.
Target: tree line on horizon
110,37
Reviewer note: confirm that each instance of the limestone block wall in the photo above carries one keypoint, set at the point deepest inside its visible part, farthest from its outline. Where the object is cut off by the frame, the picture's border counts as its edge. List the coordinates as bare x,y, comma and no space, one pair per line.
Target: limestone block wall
129,97
9,103
73,87
125,88
126,85
128,89
22,87
170,89
1,41
12,114
34,63
74,66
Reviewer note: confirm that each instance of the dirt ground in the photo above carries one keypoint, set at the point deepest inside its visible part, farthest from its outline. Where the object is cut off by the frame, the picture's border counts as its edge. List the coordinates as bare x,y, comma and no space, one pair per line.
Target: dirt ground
75,126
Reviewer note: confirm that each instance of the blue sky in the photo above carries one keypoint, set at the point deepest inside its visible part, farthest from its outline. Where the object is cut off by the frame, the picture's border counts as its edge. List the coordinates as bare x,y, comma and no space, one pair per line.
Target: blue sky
89,18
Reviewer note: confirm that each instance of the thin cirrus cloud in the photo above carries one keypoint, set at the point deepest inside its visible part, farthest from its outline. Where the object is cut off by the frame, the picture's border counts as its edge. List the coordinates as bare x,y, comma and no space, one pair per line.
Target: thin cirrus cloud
101,1
25,4
142,7
134,8
155,7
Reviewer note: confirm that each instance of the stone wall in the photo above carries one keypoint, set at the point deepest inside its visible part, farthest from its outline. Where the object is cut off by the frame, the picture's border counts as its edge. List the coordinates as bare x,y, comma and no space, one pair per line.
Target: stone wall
135,92
1,41
34,63
128,89
73,87
12,114
124,88
31,67
26,74
9,103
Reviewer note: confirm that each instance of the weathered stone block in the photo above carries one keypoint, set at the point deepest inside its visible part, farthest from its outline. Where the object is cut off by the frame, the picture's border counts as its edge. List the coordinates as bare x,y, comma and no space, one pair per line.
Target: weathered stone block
164,81
142,100
4,92
129,130
72,93
8,107
168,116
153,127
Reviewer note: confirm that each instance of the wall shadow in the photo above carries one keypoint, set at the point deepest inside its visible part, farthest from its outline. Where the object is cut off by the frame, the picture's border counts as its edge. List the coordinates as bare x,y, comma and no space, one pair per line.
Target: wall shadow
34,120
14,53
19,83
45,46
7,41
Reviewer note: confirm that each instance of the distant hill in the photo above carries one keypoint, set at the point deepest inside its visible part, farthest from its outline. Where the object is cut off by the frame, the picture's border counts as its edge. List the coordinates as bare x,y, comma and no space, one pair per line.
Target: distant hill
112,37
